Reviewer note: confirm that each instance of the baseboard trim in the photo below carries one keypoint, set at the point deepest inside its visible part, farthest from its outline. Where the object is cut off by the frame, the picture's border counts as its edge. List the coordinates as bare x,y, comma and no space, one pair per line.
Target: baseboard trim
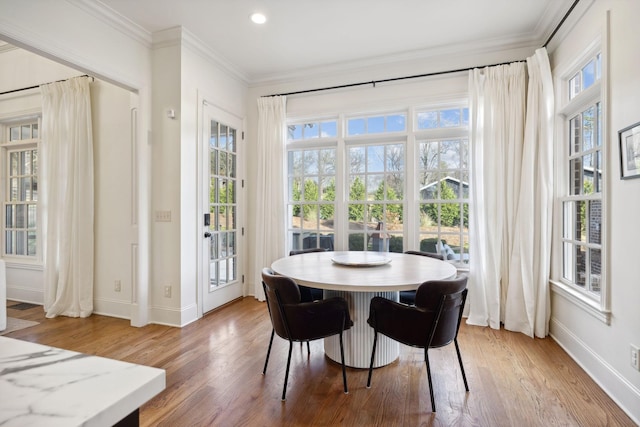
621,391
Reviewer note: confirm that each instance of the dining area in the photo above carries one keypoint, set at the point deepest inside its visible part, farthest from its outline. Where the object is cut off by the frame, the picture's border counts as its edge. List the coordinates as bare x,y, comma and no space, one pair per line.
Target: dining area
360,317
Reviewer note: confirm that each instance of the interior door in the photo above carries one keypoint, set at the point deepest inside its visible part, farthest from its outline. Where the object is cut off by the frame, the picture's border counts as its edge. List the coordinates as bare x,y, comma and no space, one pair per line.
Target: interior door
222,275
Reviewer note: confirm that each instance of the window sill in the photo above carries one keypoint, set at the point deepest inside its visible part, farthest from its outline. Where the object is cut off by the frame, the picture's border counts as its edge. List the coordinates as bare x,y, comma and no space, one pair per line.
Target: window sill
585,303
23,265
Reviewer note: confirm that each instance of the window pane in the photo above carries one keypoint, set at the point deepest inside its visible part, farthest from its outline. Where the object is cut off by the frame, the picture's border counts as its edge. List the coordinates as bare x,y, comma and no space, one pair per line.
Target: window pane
581,266
429,155
329,129
450,155
428,120
396,123
26,132
595,221
14,133
575,135
327,162
588,170
375,158
21,216
356,242
35,130
580,221
311,162
588,125
450,118
21,243
574,86
224,138
31,216
567,223
8,216
31,243
356,159
588,75
294,132
311,130
8,242
569,262
575,166
595,266
375,124
355,127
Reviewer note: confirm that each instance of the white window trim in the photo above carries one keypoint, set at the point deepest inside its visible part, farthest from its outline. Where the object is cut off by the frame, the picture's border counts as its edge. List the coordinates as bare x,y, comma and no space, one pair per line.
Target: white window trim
598,308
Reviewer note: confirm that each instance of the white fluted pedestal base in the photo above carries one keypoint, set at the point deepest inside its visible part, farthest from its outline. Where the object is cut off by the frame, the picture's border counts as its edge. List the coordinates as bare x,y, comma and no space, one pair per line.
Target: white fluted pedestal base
358,341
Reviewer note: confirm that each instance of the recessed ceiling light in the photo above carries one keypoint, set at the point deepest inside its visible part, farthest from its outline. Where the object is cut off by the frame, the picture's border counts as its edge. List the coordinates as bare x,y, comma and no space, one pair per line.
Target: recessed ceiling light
258,18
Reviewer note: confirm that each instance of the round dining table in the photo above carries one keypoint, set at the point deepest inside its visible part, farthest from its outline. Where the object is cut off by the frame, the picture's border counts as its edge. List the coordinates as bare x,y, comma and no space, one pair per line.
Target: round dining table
358,277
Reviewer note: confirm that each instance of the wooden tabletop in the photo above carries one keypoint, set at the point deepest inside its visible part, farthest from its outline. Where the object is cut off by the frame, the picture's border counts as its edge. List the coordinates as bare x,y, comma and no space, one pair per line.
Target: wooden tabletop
363,271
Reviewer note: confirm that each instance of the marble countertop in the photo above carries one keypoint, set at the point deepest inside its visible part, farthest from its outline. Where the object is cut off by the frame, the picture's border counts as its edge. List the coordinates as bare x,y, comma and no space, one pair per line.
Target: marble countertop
48,386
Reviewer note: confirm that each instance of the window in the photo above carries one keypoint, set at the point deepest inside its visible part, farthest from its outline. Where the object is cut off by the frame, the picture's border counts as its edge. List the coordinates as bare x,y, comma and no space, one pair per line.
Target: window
443,182
349,180
582,236
311,186
21,191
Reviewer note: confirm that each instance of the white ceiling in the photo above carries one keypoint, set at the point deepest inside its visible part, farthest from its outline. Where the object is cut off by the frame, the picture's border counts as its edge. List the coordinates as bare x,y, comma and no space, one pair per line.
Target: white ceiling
302,36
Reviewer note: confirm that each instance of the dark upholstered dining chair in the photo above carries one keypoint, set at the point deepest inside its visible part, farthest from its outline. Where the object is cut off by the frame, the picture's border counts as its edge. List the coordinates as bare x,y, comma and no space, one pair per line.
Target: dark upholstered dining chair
307,293
299,321
433,322
409,297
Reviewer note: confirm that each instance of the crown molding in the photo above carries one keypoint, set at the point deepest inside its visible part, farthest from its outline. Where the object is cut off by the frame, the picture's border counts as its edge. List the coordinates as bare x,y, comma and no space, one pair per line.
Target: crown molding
115,20
524,42
181,36
6,47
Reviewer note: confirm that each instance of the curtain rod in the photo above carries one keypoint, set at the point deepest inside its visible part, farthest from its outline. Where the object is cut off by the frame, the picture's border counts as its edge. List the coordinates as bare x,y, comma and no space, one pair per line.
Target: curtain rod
37,86
415,76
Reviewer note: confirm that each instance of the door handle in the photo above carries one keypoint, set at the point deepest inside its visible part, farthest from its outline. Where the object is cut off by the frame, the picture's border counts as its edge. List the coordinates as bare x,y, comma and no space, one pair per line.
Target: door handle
207,235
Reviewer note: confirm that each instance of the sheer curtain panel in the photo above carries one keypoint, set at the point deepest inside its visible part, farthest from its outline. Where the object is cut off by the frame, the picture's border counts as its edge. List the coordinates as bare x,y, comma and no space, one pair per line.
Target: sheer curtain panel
511,139
67,168
270,226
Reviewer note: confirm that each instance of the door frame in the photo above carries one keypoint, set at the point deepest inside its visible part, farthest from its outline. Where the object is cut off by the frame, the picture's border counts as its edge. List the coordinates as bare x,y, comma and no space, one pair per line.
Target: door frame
223,116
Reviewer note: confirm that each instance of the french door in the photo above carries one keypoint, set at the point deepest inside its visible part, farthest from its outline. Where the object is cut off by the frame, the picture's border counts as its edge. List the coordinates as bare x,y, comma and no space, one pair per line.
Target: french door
221,276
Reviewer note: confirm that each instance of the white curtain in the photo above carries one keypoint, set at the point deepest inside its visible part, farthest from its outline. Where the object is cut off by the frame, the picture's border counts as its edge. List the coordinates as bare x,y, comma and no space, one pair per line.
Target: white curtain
270,226
67,197
511,140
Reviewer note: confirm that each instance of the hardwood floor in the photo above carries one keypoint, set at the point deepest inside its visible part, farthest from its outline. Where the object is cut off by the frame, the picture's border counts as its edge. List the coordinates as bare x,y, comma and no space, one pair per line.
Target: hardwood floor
214,376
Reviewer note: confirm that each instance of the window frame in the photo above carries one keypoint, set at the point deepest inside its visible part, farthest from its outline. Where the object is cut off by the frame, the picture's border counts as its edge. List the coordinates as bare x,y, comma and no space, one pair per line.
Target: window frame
598,305
7,146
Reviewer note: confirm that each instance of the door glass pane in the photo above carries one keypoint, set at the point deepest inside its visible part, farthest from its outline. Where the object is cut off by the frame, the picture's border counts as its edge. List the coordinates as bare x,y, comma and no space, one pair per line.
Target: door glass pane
222,204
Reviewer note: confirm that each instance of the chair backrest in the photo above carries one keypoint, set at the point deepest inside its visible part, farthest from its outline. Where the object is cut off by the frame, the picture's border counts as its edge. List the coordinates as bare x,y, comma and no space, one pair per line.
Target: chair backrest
305,251
279,290
427,254
448,296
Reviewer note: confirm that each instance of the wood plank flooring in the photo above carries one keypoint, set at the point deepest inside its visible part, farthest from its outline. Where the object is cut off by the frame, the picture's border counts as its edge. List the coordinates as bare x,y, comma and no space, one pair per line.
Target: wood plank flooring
214,376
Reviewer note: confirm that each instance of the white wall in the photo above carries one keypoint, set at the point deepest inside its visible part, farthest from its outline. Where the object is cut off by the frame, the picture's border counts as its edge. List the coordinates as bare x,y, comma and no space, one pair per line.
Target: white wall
603,350
184,74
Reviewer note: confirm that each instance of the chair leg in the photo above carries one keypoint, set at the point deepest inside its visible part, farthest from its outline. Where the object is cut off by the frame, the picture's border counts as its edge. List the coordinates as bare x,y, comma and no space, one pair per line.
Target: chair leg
373,352
286,373
308,348
464,377
264,370
344,371
426,360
